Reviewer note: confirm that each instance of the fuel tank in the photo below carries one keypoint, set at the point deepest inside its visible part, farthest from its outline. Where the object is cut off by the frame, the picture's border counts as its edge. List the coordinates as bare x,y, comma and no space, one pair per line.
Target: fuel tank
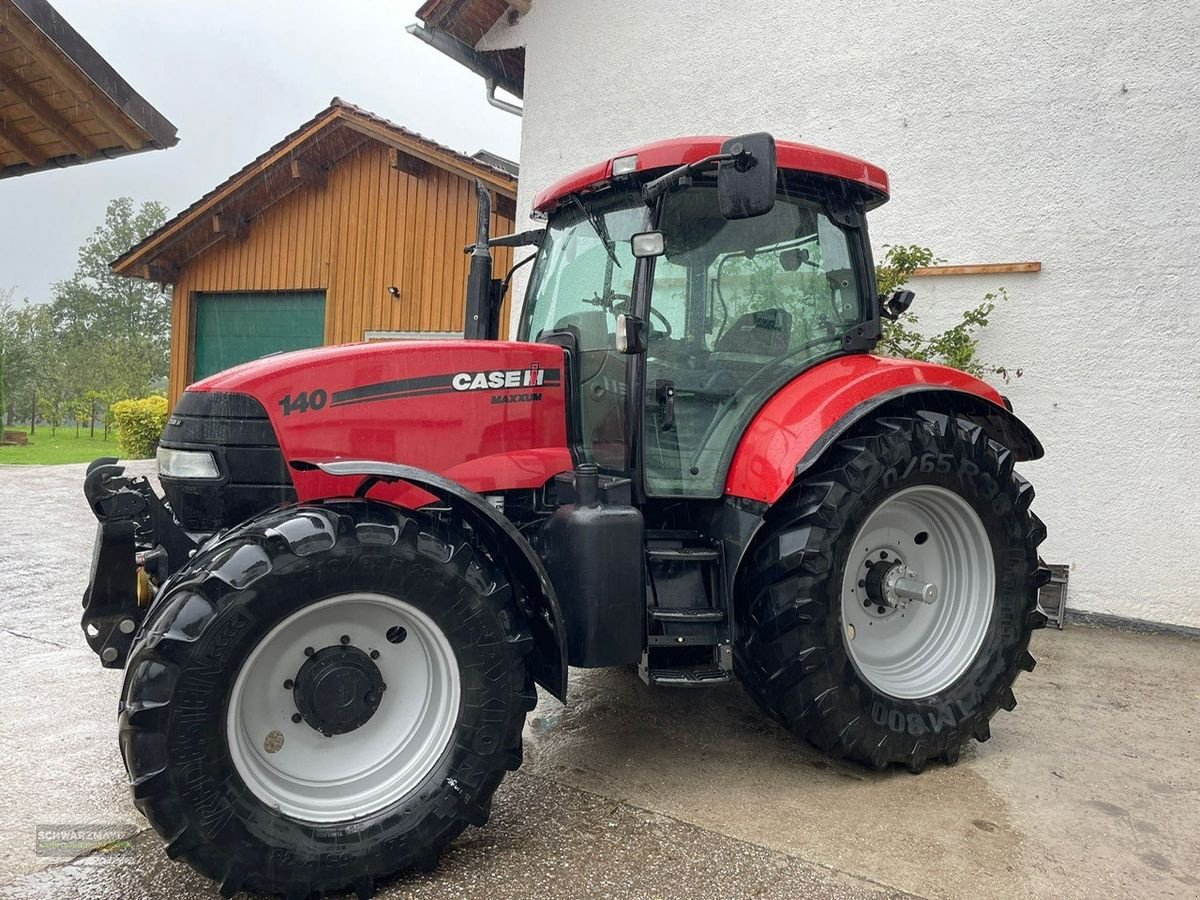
490,415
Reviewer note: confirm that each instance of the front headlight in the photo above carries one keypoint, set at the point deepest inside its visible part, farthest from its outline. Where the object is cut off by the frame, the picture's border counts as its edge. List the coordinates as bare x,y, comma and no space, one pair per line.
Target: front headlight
187,463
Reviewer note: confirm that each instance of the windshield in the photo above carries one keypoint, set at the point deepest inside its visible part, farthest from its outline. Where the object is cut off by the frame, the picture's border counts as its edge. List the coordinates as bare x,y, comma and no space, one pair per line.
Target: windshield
583,280
585,274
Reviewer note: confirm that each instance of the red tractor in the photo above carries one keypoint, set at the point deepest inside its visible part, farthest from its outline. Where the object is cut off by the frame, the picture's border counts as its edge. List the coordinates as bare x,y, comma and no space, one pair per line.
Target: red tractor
689,462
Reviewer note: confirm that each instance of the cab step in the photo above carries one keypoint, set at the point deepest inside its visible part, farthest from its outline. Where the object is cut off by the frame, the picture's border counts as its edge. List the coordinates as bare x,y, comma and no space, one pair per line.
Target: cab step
686,614
689,676
684,554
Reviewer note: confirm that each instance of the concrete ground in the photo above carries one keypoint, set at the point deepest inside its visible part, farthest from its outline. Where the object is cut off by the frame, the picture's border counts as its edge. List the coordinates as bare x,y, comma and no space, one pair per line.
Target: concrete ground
1090,788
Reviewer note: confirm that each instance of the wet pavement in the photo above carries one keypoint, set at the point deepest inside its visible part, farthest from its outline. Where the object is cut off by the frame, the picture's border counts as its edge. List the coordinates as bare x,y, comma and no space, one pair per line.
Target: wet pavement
1090,788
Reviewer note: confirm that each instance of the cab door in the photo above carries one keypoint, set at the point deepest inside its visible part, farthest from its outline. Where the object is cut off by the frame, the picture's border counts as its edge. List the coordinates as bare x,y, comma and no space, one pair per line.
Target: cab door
738,308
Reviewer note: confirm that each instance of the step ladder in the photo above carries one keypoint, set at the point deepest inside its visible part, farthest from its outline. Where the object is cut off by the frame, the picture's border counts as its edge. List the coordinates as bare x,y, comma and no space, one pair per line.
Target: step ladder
687,612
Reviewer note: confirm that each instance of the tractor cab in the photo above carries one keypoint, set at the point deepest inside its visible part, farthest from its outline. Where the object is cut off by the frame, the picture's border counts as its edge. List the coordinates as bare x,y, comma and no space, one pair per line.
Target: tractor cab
687,311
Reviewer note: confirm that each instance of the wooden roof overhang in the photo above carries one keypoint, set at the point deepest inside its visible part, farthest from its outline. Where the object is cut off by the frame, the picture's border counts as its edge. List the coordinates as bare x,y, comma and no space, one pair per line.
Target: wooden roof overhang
455,27
302,158
60,103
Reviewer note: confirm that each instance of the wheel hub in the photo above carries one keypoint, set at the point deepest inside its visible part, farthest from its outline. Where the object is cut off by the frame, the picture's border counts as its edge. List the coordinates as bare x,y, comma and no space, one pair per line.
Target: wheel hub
918,592
338,689
303,732
894,585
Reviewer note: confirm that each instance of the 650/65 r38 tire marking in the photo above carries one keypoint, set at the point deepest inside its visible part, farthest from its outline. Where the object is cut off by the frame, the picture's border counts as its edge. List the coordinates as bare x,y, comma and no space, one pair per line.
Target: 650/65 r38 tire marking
925,498
223,790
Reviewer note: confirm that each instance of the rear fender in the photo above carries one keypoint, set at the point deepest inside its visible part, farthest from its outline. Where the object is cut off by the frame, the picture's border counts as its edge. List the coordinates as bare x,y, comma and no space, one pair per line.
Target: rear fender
548,661
799,423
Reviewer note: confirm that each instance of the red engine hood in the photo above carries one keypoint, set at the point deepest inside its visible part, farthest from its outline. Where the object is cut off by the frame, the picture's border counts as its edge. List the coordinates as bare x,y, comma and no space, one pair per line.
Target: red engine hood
488,414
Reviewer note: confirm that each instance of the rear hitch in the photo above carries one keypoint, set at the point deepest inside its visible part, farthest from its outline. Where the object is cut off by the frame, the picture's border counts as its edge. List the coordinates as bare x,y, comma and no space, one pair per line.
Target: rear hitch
138,545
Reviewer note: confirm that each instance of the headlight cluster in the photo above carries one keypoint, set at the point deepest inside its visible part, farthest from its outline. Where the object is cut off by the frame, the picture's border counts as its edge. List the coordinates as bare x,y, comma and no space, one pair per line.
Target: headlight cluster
187,463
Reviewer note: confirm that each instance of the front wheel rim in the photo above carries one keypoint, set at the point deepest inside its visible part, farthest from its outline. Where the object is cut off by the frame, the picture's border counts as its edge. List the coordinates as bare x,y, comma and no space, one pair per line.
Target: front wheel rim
912,650
303,773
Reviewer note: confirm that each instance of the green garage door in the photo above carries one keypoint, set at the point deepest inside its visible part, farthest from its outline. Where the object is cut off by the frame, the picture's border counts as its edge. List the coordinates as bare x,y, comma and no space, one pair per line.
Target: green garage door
236,328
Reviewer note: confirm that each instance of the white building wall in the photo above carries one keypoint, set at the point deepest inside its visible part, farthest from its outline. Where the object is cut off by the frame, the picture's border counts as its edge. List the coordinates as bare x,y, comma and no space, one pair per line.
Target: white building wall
1065,132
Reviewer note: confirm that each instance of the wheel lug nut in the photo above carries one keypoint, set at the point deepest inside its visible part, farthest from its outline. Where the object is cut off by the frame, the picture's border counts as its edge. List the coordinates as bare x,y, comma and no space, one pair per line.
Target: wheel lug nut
883,554
861,583
309,651
882,610
374,654
297,718
345,638
288,684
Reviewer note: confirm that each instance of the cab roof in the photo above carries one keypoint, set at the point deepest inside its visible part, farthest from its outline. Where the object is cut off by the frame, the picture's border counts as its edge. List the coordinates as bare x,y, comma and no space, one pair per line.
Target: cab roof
678,151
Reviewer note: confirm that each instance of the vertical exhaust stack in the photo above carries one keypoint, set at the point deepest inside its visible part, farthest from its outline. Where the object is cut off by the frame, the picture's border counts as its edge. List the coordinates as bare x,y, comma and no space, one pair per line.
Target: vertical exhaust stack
483,295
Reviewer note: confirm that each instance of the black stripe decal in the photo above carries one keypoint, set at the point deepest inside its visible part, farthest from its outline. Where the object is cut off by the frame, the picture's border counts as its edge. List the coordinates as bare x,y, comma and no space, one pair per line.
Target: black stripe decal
427,385
391,388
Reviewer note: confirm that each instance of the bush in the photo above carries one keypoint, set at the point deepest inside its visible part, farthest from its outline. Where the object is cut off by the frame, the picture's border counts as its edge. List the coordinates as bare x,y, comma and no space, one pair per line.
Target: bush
140,424
953,347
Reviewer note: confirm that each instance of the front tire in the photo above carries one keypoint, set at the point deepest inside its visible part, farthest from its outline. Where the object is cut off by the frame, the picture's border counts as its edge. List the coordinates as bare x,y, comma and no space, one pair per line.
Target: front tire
827,644
325,697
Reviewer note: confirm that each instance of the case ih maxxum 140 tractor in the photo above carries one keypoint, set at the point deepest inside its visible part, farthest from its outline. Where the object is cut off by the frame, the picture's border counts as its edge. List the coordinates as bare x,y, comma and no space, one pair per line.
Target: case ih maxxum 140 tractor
689,462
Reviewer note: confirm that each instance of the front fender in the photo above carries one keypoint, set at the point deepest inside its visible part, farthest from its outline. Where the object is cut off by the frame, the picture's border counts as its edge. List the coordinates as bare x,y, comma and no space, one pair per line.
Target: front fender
548,661
800,422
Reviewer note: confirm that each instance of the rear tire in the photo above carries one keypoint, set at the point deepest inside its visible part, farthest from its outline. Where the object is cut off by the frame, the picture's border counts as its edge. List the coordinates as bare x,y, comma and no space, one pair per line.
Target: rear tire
206,743
914,688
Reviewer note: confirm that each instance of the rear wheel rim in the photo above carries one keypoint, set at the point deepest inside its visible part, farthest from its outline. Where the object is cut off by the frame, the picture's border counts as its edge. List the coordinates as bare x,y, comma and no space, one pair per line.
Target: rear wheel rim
914,650
299,771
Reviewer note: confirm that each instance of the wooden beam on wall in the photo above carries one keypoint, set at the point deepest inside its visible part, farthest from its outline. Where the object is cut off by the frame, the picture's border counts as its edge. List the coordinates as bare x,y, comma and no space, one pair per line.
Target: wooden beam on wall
403,162
413,147
307,173
45,113
23,148
977,269
231,226
159,271
49,57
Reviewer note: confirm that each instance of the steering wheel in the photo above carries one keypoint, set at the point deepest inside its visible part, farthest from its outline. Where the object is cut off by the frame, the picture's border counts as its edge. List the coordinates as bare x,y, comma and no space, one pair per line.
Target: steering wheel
609,302
655,314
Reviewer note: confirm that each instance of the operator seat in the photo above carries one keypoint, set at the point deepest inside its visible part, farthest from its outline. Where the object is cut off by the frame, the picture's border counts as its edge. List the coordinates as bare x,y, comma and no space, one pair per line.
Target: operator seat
761,332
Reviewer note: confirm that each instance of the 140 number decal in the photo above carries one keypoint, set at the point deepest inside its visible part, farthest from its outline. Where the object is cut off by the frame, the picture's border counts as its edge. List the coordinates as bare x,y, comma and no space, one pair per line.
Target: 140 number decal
303,402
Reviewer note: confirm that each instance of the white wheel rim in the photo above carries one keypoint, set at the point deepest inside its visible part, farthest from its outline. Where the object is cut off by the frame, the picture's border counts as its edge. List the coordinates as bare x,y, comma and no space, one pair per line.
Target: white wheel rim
299,771
914,650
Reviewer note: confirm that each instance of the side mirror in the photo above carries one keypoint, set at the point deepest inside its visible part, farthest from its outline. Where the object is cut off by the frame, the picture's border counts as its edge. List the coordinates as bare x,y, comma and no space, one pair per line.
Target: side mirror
746,183
631,334
896,305
648,243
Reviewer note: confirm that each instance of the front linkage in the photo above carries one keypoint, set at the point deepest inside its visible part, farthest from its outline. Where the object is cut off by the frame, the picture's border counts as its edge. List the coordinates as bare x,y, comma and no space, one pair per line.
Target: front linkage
138,544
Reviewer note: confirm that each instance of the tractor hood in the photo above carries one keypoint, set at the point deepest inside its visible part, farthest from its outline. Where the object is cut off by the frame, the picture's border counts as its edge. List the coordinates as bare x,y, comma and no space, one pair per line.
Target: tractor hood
490,415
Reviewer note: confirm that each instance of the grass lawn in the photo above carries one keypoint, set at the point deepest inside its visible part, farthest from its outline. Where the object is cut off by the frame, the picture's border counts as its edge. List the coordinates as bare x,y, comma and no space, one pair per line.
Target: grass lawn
64,447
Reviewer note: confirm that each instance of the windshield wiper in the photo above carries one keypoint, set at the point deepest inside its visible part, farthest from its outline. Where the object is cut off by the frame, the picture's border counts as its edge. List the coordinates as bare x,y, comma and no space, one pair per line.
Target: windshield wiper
600,228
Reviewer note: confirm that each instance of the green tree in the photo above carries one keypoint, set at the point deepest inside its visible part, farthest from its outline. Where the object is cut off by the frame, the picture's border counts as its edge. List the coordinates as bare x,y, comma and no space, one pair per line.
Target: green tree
113,316
6,295
18,330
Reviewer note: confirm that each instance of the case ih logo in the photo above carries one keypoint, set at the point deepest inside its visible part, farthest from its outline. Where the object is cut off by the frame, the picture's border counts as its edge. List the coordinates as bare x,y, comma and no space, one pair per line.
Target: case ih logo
534,376
505,380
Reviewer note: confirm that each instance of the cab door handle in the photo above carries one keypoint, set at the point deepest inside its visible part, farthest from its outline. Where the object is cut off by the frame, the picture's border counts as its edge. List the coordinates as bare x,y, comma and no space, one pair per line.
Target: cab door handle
664,393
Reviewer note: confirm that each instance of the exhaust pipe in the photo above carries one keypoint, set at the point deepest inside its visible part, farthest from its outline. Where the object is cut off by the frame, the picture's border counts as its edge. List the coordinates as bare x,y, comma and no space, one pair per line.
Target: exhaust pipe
482,307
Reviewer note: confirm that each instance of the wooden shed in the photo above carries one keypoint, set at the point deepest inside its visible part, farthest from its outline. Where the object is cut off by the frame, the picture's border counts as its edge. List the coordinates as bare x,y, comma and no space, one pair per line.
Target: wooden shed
351,228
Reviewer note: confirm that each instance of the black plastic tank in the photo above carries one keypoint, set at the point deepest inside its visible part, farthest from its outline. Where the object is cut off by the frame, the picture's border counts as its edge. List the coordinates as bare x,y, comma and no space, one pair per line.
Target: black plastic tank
592,548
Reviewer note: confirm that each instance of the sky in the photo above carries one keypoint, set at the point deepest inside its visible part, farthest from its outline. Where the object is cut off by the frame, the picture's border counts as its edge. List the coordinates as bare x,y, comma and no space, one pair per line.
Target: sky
234,78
